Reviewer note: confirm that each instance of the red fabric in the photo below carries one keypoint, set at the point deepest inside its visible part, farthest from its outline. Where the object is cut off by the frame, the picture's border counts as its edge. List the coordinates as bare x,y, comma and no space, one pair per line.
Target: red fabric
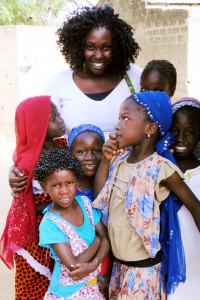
31,123
106,266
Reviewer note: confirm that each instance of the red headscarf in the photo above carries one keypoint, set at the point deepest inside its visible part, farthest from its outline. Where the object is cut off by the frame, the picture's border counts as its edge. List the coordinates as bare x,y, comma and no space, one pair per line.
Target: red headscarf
31,123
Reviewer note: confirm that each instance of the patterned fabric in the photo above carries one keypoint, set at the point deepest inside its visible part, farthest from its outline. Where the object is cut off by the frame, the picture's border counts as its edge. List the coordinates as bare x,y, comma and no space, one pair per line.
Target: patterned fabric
34,264
76,244
84,293
140,203
30,284
82,128
130,283
20,229
54,229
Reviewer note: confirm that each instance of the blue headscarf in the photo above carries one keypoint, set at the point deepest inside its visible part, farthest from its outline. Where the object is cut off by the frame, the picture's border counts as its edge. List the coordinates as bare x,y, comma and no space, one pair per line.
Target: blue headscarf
82,128
159,110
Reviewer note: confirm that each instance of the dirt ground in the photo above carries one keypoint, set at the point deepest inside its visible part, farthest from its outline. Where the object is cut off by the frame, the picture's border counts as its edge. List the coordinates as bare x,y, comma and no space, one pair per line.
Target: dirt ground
6,275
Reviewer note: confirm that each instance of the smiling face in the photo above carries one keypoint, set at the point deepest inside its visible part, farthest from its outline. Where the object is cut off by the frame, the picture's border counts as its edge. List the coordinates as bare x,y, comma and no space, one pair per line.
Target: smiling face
186,131
131,129
87,147
61,185
155,82
56,127
98,50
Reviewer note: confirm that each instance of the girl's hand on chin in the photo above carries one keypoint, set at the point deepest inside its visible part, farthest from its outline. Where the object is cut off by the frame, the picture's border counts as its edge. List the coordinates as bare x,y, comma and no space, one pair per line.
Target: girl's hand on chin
110,147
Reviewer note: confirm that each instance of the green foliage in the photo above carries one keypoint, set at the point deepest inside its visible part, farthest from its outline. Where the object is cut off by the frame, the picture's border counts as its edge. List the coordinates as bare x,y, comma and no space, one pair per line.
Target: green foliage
28,12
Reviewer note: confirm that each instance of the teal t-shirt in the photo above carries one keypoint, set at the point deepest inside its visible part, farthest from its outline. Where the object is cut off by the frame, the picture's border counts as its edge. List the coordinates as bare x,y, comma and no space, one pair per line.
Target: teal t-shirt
51,233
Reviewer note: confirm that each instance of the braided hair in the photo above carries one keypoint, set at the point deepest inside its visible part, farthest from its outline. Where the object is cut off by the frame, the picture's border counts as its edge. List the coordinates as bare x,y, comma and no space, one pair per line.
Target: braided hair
57,159
73,34
166,70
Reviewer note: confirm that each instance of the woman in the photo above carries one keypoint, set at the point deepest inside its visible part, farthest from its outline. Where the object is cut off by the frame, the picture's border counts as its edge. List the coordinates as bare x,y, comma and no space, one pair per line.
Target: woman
101,51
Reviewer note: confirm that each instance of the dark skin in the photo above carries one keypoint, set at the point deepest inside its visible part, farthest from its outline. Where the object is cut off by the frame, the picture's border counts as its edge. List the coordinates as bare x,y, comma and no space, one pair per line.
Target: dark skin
55,128
93,79
143,140
98,49
187,136
87,147
61,185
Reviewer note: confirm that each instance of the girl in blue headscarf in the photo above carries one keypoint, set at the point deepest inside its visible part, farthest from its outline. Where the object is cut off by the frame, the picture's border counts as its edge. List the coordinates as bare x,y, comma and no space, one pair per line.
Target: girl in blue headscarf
140,178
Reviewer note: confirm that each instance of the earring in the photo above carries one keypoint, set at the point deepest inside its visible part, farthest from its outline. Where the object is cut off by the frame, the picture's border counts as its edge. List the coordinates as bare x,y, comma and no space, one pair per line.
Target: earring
148,136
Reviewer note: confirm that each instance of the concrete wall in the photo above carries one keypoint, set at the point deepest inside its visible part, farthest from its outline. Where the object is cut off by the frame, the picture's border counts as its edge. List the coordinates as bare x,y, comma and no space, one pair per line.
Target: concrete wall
166,32
29,56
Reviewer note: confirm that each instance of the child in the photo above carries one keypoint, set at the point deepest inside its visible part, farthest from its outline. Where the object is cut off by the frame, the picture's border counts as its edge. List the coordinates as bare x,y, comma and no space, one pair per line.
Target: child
138,181
159,75
37,123
86,143
186,128
68,229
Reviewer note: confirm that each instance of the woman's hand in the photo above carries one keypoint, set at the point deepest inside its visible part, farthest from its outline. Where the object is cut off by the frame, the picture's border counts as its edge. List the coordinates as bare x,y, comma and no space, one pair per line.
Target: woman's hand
17,180
110,147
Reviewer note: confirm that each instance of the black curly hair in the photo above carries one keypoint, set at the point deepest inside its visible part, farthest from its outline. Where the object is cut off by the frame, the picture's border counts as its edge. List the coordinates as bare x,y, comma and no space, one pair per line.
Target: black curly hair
166,70
73,34
57,159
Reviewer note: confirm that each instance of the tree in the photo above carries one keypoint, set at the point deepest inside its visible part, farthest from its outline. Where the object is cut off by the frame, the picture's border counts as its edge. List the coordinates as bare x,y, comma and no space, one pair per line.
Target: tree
28,12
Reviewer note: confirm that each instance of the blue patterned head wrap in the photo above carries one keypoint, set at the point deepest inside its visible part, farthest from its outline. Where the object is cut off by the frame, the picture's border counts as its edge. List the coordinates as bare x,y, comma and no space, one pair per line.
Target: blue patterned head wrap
82,128
159,110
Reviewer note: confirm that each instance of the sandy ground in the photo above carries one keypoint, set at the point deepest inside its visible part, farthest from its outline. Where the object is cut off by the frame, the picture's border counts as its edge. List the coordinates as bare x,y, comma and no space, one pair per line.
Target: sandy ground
6,275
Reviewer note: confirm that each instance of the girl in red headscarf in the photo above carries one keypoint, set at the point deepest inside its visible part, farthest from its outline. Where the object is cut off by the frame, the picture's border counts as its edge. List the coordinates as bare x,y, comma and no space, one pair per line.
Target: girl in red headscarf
37,124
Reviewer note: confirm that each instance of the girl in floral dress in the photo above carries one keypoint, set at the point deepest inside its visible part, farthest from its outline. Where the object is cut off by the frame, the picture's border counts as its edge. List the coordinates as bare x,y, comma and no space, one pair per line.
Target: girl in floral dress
186,128
140,178
69,229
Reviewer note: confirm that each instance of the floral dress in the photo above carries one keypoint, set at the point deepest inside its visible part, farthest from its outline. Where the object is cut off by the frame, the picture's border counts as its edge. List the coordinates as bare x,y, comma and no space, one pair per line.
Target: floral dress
141,204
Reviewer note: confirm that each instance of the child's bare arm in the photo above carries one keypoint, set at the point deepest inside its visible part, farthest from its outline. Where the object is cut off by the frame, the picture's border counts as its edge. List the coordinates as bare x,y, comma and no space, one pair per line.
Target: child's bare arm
176,185
83,269
109,150
66,256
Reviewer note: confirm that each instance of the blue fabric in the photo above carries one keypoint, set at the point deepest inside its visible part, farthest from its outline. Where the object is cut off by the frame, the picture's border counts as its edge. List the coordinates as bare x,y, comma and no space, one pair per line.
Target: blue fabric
82,128
50,233
159,110
89,193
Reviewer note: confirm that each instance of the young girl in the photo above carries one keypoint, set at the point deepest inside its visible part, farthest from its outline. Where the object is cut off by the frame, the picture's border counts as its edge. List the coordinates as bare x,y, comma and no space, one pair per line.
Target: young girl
86,143
159,75
138,181
186,128
68,229
37,123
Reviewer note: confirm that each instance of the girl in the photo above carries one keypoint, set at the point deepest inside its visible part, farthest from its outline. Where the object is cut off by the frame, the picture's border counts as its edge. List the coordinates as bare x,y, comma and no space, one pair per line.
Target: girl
185,125
37,123
138,181
159,75
68,229
86,143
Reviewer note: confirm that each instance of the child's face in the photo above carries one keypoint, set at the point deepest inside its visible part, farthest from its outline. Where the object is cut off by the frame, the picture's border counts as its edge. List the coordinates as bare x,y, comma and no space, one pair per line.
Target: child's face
87,147
186,132
132,125
61,186
56,127
155,82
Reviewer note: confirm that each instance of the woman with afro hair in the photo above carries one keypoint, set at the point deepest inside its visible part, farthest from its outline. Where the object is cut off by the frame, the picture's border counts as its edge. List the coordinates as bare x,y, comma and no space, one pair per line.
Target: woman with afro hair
100,50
